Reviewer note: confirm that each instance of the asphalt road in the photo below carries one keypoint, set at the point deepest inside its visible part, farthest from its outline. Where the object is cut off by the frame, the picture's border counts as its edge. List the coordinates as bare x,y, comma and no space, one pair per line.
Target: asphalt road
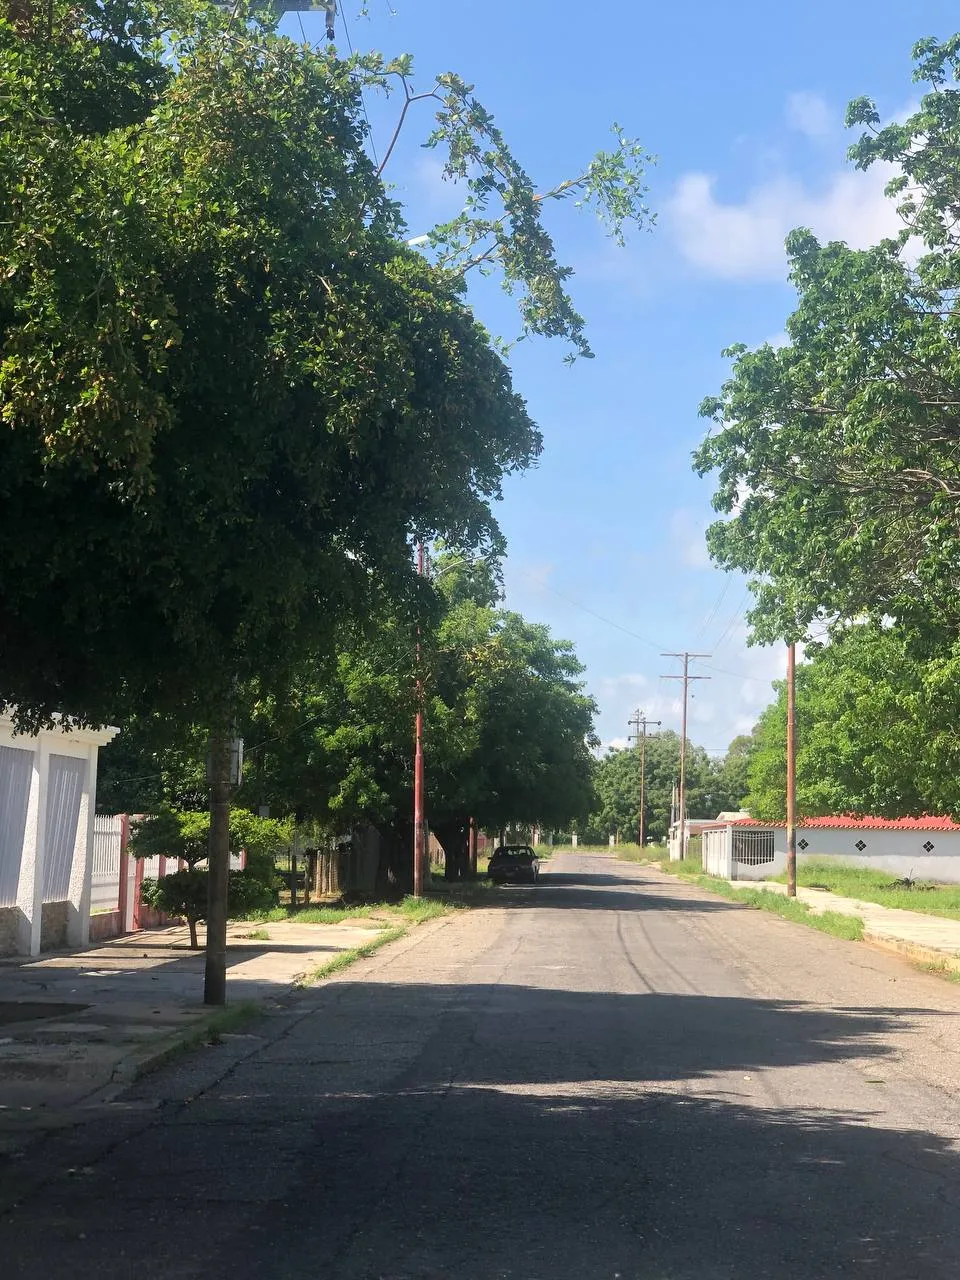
611,1075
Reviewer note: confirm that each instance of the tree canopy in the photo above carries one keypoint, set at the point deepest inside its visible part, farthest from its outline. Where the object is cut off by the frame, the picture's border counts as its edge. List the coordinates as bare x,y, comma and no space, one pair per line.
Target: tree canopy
874,731
508,724
230,392
835,455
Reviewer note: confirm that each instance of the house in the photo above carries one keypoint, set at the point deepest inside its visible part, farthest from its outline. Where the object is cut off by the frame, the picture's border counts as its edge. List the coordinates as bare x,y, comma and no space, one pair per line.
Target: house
48,784
696,827
925,848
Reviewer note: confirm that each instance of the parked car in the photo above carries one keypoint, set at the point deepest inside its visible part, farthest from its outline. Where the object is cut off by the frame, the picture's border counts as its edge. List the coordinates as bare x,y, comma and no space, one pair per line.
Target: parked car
514,864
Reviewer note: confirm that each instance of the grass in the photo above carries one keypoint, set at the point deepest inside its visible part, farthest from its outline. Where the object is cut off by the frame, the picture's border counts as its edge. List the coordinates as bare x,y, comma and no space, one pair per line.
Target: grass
222,1023
412,910
942,970
611,850
878,886
832,922
346,958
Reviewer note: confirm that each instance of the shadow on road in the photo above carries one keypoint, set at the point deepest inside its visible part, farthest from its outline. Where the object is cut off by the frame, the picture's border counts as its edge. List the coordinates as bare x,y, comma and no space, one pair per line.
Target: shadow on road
491,1132
605,891
538,1135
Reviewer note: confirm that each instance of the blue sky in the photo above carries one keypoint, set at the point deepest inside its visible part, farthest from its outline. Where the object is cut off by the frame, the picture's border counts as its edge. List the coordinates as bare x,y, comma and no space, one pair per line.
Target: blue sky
743,106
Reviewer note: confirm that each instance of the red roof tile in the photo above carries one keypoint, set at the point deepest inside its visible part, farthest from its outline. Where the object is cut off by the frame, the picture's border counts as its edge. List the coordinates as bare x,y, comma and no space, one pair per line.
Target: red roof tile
849,822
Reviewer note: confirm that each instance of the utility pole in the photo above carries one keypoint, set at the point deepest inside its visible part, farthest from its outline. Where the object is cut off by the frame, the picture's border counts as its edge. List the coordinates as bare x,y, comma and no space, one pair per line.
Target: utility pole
685,657
791,770
640,735
418,831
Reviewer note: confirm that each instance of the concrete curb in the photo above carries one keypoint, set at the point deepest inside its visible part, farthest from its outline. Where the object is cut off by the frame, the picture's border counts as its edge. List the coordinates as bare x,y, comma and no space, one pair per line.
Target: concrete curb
914,951
142,1061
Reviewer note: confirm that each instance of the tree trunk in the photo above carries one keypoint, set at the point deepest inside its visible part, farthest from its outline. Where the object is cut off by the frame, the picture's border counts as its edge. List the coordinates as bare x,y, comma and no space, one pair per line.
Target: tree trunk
395,866
455,838
192,926
218,869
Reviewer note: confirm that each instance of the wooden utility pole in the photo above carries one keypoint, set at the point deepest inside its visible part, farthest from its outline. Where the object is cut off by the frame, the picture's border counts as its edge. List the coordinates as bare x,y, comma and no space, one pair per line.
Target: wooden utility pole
418,819
640,736
791,770
218,867
685,657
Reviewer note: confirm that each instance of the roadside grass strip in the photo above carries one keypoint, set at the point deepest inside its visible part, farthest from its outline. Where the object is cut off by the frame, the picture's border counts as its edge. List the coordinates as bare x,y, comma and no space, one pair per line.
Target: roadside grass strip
346,958
412,910
832,922
878,886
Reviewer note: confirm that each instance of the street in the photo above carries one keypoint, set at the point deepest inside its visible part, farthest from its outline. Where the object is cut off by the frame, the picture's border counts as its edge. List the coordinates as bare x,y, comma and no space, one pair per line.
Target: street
612,1075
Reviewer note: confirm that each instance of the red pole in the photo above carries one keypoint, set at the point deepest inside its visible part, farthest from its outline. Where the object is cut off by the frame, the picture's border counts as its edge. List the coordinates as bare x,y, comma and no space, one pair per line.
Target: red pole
418,828
791,771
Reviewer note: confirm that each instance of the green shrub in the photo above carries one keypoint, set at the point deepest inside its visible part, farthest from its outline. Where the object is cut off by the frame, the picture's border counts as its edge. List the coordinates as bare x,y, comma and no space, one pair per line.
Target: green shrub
184,894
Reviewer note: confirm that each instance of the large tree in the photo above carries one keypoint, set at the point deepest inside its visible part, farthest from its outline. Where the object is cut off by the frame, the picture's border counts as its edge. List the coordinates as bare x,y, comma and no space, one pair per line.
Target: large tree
230,392
874,731
836,455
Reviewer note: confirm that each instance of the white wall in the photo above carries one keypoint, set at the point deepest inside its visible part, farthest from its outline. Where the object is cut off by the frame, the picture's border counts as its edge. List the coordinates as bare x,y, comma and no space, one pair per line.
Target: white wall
898,853
901,853
48,849
717,852
105,879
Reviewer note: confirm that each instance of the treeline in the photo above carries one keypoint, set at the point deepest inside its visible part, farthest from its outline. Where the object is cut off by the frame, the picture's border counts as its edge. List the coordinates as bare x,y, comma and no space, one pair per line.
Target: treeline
712,786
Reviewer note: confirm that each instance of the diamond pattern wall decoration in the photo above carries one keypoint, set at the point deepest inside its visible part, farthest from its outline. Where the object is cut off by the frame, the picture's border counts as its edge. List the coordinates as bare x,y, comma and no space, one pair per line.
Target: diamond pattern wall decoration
803,844
861,845
929,846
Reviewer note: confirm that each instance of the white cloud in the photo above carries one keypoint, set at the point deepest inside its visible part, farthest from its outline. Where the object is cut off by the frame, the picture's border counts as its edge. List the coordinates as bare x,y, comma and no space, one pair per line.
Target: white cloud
745,241
810,114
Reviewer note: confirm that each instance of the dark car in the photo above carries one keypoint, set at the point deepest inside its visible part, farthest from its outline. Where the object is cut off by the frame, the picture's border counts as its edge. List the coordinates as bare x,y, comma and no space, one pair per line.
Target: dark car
514,864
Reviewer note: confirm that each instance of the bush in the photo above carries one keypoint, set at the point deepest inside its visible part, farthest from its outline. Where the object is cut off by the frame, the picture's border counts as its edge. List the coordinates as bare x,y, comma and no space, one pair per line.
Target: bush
184,894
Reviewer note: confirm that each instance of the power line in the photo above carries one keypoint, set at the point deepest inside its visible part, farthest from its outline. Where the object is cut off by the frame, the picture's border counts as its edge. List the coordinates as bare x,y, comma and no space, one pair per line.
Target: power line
734,620
363,101
593,613
716,608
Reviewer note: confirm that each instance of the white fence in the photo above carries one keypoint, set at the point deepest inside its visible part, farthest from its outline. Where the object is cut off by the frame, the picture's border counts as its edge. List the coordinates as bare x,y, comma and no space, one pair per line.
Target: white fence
107,845
743,853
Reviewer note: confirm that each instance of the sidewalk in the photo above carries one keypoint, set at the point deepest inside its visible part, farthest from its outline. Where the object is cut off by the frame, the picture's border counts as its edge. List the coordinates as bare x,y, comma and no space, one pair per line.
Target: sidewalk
77,1027
922,938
